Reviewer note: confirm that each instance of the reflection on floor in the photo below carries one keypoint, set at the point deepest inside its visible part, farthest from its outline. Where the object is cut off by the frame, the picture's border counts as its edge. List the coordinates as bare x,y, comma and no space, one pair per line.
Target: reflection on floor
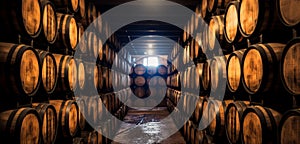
147,126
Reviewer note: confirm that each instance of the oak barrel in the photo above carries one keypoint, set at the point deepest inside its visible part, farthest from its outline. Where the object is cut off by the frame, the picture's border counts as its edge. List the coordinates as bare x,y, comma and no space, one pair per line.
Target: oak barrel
67,117
94,110
260,66
81,12
81,74
288,131
216,38
162,70
49,71
91,14
67,32
217,125
231,23
82,111
139,81
201,106
22,18
139,69
70,6
151,70
234,71
213,5
49,28
233,117
20,71
257,17
259,125
20,126
287,13
49,122
289,69
205,76
67,73
218,74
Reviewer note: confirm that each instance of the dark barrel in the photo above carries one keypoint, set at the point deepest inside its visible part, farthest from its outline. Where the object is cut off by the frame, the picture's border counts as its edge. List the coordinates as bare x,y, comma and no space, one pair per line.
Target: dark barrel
290,69
49,22
259,125
67,117
48,118
260,63
49,71
287,13
234,71
20,125
213,5
233,117
20,18
288,130
70,6
67,73
20,70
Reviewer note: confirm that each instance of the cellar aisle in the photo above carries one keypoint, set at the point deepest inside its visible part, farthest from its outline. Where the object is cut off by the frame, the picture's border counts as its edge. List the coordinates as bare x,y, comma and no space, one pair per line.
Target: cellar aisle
147,122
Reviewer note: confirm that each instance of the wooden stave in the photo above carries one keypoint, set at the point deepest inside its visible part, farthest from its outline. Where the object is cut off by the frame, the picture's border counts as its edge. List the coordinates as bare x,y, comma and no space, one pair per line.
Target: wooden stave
15,25
286,115
81,14
11,67
82,112
269,133
284,53
41,108
240,106
221,75
63,126
7,123
267,82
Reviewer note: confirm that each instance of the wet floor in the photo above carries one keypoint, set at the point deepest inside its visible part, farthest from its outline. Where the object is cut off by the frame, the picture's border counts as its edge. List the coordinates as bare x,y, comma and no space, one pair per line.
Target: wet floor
147,126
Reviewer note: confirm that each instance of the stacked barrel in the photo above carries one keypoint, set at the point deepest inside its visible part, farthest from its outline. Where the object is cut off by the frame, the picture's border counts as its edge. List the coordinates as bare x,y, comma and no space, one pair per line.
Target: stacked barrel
147,81
47,92
258,60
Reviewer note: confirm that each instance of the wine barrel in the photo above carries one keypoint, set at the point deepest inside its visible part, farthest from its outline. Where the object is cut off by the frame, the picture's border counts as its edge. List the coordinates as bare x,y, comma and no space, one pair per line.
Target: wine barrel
20,125
233,117
67,73
205,76
289,68
82,112
231,23
151,70
100,78
93,44
98,25
81,75
91,14
49,22
48,118
71,6
92,76
201,105
199,137
286,12
78,140
139,81
288,130
234,71
20,71
213,5
82,44
162,70
256,17
203,9
22,18
216,38
81,12
217,126
139,69
49,72
259,125
218,74
260,63
67,32
67,117
94,110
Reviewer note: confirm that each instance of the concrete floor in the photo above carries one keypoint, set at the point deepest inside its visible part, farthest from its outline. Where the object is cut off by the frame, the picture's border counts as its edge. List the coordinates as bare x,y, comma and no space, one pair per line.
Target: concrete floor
146,127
